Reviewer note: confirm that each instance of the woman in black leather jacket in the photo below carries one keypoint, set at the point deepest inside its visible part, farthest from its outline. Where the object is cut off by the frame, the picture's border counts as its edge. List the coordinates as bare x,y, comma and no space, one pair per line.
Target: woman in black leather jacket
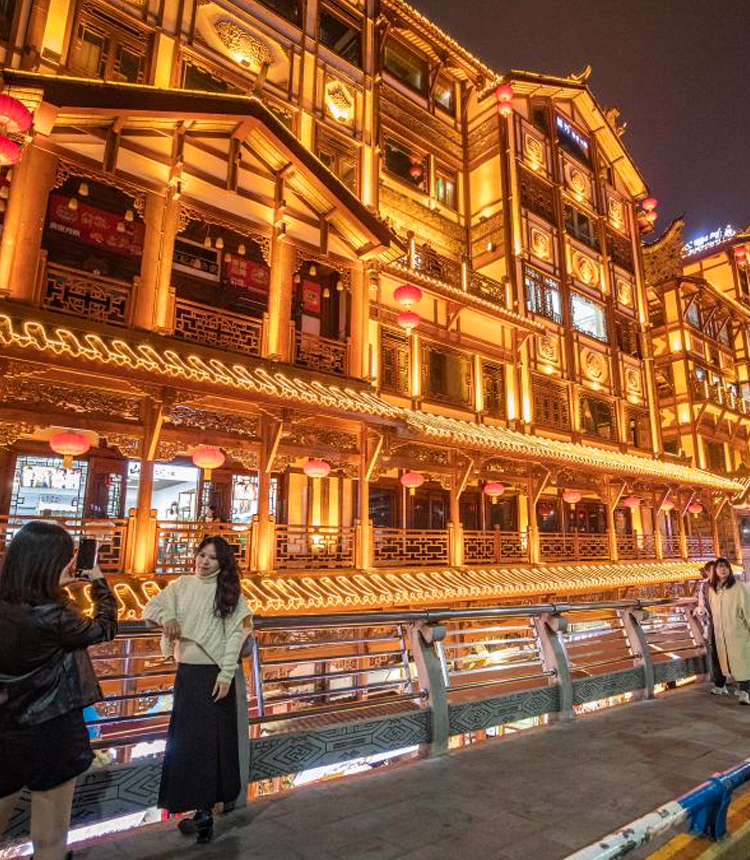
46,679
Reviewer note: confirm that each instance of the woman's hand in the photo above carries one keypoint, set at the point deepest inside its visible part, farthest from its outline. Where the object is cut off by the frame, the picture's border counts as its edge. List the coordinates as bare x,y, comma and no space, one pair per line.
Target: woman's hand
94,573
172,629
221,688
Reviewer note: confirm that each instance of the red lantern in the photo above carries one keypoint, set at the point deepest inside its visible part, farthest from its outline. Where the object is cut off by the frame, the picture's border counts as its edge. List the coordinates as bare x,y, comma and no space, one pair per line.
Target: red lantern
412,480
505,108
695,508
207,457
14,115
504,93
416,170
494,490
631,502
740,253
408,320
572,496
407,295
70,445
10,152
649,204
316,468
667,506
651,216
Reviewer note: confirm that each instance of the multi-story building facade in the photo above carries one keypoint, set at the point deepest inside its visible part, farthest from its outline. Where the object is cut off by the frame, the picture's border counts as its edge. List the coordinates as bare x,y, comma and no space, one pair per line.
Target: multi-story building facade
202,247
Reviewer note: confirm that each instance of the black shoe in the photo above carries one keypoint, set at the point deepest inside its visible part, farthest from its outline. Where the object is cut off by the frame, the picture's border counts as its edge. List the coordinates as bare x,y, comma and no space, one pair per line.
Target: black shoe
205,830
189,824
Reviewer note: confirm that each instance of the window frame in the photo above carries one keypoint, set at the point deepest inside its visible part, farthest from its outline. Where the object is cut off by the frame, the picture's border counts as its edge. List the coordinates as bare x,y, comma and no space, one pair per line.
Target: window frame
451,86
348,21
393,142
465,365
587,401
421,91
544,287
600,308
447,175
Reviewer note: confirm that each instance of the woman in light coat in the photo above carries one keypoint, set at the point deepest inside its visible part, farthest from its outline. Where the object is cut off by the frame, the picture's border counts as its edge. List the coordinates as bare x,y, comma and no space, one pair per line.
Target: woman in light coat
730,610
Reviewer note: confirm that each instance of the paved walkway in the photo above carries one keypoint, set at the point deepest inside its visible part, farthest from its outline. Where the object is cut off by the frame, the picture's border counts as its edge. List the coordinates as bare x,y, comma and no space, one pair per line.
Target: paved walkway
538,795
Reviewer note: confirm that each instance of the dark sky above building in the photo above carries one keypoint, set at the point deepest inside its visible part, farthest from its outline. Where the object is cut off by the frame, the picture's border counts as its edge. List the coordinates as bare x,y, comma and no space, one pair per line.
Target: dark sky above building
679,70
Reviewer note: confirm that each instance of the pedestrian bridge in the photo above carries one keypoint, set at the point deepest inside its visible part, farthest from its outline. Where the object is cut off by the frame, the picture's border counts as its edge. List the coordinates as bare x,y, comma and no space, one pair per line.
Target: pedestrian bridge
326,690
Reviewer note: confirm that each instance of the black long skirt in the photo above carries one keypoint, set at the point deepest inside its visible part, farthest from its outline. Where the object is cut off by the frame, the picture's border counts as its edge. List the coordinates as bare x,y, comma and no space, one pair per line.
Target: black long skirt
201,763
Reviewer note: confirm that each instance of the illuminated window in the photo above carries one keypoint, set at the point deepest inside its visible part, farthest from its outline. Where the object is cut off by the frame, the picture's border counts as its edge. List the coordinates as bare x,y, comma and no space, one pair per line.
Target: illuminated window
446,375
407,165
597,418
581,227
342,37
493,388
341,160
589,317
445,95
445,189
289,9
103,49
394,362
406,65
542,294
628,340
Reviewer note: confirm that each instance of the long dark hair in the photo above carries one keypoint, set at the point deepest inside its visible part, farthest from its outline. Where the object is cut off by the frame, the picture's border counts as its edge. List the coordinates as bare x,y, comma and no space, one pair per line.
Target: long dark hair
228,587
33,563
715,578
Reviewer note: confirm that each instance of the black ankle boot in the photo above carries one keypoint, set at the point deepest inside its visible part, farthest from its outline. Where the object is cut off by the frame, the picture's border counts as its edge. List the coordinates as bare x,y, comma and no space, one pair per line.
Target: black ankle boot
189,824
205,829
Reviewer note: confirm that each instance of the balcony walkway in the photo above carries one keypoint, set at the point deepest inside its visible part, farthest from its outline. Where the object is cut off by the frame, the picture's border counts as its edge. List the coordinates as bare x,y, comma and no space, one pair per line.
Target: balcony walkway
538,795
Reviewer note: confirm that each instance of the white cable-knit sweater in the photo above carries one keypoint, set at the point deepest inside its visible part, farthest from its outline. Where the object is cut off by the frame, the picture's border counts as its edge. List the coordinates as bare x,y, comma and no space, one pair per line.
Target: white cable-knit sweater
204,637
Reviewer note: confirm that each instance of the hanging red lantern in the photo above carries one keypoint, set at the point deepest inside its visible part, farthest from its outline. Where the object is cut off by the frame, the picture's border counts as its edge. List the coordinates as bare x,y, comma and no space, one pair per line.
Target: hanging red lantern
316,468
631,502
69,445
408,320
572,496
651,216
10,152
412,480
14,115
416,170
695,508
740,254
407,295
667,506
207,457
505,108
494,489
649,204
504,93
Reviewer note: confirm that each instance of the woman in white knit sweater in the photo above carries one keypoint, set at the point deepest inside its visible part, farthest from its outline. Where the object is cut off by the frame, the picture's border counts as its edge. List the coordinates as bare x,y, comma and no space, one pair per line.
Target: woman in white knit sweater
205,620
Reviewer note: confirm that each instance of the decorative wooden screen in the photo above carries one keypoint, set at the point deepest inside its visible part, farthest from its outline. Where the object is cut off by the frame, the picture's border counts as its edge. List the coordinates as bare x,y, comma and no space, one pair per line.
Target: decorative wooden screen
620,251
638,427
394,362
551,407
597,417
493,387
536,196
446,375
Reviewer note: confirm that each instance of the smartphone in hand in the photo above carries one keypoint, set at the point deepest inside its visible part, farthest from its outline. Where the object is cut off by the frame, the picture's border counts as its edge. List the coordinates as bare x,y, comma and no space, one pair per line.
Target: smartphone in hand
86,556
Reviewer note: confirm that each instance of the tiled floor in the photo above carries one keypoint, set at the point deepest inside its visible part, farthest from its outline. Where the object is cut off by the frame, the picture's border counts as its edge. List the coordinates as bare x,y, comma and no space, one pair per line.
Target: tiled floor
536,796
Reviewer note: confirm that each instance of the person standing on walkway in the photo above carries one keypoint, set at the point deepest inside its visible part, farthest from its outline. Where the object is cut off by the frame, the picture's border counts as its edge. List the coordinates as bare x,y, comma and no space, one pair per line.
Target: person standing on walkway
729,602
46,679
205,620
703,616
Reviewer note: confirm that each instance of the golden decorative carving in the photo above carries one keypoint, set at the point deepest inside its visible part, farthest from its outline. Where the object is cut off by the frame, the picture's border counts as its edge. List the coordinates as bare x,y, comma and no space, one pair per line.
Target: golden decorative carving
586,269
633,380
303,256
578,182
282,462
245,49
80,400
12,431
616,211
421,128
406,215
304,435
339,101
533,150
190,212
409,452
128,446
167,450
541,243
663,260
593,365
548,347
483,140
248,459
624,292
67,167
245,426
15,369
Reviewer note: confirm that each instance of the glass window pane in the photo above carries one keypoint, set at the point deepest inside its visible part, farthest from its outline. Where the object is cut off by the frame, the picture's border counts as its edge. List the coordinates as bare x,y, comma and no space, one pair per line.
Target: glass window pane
128,65
588,317
445,95
406,65
445,190
407,166
343,38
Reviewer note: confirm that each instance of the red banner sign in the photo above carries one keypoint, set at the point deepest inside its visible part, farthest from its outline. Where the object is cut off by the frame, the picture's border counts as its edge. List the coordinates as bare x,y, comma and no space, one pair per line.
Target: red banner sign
247,274
311,297
95,227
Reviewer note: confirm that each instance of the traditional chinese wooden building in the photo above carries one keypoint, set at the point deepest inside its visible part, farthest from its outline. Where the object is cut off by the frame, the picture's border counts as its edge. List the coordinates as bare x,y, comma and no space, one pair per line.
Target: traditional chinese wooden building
379,307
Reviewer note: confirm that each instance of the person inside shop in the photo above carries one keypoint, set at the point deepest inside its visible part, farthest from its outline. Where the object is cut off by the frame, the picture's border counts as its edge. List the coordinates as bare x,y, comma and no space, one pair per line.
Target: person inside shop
205,621
46,679
729,603
212,514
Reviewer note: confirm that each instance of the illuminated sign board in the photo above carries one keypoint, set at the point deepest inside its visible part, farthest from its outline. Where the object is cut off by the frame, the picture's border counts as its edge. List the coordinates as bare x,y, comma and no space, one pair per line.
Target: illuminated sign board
710,240
571,139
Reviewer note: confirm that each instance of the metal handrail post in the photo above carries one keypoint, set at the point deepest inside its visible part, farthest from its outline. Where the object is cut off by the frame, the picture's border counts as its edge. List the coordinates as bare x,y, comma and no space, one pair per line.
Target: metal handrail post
632,622
549,630
423,638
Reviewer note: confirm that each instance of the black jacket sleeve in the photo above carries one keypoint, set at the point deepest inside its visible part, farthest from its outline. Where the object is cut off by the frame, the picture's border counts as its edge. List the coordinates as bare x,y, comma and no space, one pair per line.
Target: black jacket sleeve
79,631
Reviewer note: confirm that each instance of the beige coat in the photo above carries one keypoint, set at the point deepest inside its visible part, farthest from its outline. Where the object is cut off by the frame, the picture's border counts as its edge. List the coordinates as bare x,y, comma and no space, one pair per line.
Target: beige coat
730,611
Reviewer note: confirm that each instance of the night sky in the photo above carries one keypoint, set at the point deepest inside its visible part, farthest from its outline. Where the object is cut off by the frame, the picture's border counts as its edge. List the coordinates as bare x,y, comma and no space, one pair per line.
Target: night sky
677,69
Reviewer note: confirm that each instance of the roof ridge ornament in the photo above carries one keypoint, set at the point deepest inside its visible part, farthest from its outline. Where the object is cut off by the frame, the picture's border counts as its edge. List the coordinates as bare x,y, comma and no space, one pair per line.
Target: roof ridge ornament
582,76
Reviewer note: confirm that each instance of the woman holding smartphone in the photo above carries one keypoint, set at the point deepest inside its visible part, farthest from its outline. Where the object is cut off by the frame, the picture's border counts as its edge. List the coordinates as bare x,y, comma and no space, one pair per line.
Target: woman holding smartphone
205,621
46,679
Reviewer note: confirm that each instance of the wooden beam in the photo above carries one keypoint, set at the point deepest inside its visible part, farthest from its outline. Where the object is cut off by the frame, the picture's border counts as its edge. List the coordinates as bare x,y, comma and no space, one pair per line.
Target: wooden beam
273,444
374,456
463,477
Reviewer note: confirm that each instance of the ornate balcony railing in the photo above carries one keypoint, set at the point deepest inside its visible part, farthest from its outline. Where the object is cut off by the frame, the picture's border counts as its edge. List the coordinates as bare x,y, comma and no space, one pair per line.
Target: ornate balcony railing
177,543
576,546
111,536
700,546
486,288
220,329
314,546
86,295
495,547
636,546
410,547
321,353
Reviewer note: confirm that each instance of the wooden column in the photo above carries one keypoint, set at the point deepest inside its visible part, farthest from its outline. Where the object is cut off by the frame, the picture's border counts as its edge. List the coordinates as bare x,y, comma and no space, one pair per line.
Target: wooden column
33,179
270,432
153,300
359,357
364,533
283,265
144,551
682,530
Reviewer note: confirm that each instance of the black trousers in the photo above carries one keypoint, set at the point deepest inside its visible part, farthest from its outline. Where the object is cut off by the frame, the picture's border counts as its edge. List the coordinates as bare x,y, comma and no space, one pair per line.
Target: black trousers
201,762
